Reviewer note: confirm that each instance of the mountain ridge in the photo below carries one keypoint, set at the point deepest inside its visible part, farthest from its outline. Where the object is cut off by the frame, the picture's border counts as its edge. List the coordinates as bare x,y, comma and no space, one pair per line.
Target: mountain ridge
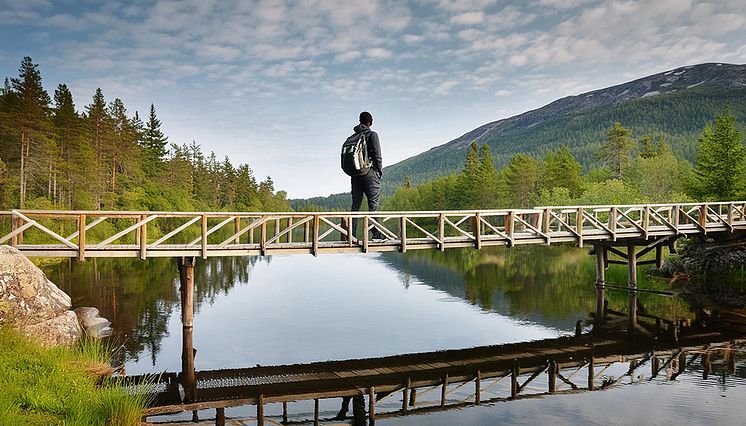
700,80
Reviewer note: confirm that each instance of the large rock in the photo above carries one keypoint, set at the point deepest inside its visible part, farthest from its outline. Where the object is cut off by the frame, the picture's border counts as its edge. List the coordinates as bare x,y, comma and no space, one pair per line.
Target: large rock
32,303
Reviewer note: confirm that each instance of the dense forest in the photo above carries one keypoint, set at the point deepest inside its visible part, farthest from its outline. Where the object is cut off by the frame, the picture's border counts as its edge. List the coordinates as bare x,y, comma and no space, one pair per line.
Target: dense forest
53,156
680,116
632,170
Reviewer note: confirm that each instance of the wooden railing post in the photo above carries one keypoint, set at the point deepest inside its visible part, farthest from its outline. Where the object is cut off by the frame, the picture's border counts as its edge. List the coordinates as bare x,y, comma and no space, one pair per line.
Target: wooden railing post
81,237
579,226
143,238
204,236
290,233
366,223
403,230
442,231
263,238
703,218
237,229
510,227
477,229
645,221
546,224
315,243
613,222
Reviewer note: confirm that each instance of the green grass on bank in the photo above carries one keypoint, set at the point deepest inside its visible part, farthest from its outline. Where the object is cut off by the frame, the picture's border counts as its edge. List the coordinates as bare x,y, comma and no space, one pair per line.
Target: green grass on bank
49,386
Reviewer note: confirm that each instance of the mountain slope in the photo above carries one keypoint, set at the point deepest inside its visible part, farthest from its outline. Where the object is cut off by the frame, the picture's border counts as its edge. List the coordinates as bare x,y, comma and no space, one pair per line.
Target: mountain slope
678,103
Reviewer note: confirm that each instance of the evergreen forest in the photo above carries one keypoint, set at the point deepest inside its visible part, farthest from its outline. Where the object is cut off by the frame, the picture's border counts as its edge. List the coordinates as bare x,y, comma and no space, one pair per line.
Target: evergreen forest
54,156
632,169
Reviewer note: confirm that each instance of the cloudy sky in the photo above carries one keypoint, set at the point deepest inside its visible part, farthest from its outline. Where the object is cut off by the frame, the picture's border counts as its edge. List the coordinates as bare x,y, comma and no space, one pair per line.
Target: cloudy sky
279,84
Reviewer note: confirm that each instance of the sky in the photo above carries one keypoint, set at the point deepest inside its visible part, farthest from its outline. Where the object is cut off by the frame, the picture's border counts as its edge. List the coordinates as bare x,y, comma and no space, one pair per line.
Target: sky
278,85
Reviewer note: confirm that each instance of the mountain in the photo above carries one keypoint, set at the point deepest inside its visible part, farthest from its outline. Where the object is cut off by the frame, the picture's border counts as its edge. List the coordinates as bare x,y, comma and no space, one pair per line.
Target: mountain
677,103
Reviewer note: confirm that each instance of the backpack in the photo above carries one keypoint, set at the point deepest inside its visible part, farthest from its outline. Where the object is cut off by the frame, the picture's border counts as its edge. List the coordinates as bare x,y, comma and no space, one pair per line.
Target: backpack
355,158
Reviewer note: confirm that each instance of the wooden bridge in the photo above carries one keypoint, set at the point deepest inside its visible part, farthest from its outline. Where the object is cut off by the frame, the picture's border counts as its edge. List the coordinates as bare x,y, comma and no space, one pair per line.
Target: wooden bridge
414,383
627,232
83,234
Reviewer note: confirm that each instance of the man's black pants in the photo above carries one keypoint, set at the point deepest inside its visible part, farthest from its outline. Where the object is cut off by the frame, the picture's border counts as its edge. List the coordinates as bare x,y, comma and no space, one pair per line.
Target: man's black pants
370,185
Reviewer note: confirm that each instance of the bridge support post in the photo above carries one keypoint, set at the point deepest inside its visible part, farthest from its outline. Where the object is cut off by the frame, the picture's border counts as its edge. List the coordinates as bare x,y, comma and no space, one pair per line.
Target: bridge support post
600,282
632,286
186,276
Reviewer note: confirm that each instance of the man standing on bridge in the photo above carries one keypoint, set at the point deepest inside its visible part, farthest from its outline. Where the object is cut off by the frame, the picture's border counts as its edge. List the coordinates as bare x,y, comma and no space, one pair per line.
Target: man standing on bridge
370,183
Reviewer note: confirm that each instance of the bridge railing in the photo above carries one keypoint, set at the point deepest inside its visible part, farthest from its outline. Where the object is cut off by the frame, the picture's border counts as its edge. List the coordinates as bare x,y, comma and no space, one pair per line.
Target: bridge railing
145,234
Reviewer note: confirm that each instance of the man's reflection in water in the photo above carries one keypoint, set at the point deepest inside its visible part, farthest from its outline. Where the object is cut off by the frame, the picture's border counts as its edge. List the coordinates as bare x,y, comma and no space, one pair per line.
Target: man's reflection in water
358,410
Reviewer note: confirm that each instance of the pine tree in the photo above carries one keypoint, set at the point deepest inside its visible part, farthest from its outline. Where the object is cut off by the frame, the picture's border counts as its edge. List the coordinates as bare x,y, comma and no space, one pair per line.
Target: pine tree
154,144
561,170
521,181
488,184
615,153
122,153
98,127
720,159
647,147
468,181
67,131
29,116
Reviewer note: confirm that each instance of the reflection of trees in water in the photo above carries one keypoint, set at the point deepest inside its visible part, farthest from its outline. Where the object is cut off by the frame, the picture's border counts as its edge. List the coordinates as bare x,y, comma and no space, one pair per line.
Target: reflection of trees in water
139,297
552,285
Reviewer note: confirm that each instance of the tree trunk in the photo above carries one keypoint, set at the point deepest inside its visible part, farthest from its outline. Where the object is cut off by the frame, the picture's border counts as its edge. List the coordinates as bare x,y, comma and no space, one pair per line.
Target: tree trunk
23,171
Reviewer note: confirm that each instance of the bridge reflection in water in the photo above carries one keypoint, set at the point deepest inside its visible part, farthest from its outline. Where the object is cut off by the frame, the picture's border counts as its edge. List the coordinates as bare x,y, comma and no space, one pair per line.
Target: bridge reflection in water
421,382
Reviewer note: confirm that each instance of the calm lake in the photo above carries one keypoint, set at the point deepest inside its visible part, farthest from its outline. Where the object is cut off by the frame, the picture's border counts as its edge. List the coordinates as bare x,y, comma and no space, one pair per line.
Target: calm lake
298,309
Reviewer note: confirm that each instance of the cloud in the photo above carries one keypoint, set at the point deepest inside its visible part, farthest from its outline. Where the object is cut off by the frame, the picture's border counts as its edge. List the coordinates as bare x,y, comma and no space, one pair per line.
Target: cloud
468,18
378,53
218,52
413,38
562,4
464,5
347,56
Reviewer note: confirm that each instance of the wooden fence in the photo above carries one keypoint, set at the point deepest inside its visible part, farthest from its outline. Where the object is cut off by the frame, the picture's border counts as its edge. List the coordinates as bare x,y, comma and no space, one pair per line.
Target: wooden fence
83,234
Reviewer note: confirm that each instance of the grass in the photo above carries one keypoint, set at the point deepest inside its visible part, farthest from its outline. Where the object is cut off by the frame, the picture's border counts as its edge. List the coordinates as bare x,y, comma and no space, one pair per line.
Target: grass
58,386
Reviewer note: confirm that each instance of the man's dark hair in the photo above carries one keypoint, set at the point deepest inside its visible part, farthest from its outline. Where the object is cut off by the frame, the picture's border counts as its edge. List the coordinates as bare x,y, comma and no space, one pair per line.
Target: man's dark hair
366,118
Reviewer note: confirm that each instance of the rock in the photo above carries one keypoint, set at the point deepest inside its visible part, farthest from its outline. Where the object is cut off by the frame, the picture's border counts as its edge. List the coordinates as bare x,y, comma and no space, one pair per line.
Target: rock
60,330
93,324
32,303
85,314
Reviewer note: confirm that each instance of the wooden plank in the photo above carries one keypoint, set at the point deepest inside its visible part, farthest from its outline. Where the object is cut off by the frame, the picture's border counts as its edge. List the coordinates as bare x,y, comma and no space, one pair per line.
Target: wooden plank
175,231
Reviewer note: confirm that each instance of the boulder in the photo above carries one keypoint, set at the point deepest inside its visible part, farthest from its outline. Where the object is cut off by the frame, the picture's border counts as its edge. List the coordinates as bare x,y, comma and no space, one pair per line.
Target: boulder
32,303
93,324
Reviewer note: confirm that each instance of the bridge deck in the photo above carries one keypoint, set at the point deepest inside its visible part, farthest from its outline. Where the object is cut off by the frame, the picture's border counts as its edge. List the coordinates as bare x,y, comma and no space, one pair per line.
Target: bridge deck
284,383
84,234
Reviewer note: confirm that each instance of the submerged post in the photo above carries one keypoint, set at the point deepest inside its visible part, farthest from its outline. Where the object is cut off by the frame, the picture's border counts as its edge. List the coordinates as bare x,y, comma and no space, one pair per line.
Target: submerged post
189,378
186,276
600,282
632,285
